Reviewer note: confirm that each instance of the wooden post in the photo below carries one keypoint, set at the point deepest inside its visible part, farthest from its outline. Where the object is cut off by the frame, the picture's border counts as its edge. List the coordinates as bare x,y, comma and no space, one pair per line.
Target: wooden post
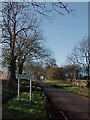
30,89
18,90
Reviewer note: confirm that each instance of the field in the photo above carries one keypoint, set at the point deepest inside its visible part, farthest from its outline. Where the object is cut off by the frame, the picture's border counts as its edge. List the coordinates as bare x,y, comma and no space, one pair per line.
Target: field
70,87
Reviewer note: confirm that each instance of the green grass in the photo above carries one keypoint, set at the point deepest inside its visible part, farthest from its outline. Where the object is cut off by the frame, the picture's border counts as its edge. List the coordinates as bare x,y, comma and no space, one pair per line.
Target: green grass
78,90
8,94
83,91
53,81
24,109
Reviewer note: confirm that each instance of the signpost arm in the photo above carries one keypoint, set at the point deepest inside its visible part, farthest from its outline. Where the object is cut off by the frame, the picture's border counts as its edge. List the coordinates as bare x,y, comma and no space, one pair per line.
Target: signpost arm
18,89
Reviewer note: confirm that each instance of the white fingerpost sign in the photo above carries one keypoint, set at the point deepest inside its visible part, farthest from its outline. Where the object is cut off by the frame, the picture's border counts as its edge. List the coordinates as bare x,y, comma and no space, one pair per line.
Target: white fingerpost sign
26,77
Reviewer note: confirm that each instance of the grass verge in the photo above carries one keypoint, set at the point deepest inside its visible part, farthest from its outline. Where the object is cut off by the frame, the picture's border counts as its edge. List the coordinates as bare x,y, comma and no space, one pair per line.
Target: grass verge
83,91
23,109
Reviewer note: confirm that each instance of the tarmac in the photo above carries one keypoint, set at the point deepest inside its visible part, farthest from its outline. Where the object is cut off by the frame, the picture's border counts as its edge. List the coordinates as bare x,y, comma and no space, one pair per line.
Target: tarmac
72,106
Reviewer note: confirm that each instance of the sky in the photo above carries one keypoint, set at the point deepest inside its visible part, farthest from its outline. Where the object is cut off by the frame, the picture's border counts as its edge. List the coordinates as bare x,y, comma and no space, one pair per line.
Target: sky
66,31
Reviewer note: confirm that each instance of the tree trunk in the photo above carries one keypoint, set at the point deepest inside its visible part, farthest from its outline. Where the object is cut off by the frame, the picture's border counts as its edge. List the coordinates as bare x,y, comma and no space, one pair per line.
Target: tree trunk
20,68
12,70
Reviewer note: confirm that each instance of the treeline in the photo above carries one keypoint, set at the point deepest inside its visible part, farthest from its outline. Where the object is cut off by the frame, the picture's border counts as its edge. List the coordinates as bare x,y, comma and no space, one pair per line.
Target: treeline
77,67
67,72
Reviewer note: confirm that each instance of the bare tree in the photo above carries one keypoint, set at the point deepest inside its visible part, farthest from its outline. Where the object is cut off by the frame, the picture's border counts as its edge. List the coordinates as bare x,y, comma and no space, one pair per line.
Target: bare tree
43,9
80,55
30,47
50,61
71,72
17,19
20,18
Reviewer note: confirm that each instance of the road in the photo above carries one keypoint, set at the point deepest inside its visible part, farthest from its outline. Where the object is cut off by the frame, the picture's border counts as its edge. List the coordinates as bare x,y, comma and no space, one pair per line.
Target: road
72,106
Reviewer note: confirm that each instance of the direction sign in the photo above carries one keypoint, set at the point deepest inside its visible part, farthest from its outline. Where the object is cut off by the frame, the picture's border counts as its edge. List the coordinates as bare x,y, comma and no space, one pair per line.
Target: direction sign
26,77
23,76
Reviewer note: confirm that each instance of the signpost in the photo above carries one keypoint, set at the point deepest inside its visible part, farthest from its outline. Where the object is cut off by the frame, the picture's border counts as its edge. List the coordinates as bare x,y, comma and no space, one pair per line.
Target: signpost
24,77
18,89
30,90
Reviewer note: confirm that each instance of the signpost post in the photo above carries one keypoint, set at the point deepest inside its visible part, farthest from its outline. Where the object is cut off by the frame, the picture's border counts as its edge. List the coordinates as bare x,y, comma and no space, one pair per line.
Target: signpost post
18,89
26,77
30,89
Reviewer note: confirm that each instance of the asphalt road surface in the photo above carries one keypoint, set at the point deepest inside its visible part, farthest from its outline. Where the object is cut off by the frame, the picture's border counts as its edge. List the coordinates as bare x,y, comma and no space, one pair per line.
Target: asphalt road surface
74,107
